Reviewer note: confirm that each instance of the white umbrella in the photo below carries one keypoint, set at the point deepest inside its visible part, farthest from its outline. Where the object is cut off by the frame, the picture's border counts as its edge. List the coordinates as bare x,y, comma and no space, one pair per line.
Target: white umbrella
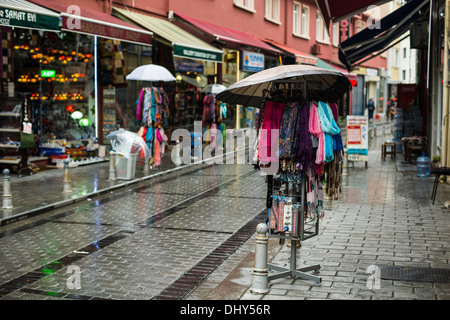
214,88
249,91
127,142
151,72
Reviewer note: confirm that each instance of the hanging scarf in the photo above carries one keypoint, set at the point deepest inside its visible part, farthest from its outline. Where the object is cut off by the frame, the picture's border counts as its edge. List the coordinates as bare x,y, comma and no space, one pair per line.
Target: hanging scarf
149,137
304,150
272,117
337,139
223,110
139,106
316,130
287,129
329,127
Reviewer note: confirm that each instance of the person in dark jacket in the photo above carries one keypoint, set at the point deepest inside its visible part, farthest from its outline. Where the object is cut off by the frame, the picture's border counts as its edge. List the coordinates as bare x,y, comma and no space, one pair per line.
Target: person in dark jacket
371,108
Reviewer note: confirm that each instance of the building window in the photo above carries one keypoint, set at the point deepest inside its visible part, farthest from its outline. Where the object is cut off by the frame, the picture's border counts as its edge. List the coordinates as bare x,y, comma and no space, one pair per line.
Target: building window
396,57
272,10
360,25
403,74
301,20
336,34
321,30
404,53
248,5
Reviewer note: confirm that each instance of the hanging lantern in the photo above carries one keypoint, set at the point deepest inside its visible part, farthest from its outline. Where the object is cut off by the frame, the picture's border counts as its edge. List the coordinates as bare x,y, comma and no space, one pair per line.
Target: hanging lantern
70,108
76,115
84,122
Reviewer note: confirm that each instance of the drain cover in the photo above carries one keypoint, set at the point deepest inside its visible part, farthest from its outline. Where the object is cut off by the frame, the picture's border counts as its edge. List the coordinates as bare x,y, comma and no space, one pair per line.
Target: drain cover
414,274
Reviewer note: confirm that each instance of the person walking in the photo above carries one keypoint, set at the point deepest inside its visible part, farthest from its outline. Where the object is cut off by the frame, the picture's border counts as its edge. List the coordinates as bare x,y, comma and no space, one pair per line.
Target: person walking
371,108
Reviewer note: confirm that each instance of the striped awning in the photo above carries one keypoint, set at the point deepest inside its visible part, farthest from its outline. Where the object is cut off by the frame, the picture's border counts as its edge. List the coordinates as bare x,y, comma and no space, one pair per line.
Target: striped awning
184,44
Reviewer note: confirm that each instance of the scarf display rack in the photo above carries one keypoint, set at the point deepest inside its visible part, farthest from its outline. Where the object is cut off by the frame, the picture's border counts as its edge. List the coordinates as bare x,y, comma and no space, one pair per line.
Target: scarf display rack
309,152
152,112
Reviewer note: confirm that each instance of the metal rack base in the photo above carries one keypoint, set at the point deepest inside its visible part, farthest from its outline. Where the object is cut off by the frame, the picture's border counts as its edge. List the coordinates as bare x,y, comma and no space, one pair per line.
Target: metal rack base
301,273
293,272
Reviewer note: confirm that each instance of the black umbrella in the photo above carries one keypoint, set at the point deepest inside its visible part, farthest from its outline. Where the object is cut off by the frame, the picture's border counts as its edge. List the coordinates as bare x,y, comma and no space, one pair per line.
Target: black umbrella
249,91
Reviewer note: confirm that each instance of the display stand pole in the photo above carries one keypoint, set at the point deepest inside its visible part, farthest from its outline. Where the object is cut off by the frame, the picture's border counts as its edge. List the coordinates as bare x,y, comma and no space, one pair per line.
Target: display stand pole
292,271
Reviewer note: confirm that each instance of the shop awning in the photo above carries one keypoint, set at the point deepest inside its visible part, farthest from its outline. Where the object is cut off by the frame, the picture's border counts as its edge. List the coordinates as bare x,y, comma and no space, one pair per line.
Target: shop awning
392,27
219,33
184,44
300,57
23,14
92,22
333,10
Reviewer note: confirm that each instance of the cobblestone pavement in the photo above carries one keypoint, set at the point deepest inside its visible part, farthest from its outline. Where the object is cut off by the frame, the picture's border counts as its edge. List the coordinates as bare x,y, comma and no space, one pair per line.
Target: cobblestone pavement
126,242
384,217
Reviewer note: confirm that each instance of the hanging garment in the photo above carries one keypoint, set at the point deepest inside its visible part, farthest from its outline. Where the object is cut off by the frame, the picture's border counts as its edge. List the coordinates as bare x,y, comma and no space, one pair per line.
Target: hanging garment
149,137
157,146
316,130
287,130
329,128
304,148
223,110
139,104
272,117
337,139
147,105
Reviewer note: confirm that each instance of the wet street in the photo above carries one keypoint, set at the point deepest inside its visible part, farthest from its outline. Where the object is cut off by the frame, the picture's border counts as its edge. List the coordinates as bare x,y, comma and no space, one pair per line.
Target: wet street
154,240
189,235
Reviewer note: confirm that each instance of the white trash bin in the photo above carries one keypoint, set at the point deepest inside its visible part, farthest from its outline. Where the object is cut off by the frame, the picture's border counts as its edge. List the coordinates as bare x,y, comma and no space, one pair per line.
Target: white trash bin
125,165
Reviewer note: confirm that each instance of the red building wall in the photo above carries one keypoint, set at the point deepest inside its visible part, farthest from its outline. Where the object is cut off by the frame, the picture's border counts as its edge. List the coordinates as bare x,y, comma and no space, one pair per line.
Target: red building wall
225,13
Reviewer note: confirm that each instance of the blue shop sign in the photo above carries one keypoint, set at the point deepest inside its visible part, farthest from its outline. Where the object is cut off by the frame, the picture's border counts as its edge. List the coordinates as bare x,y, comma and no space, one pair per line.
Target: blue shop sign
252,61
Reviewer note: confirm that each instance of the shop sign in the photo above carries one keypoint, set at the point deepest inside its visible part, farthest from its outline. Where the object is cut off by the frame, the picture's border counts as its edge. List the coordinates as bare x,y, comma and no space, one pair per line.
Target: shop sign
48,73
252,61
357,138
305,60
196,53
19,18
106,31
188,66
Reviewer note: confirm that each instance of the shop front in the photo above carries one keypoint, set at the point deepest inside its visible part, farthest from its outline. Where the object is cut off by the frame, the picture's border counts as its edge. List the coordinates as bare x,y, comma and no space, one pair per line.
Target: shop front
70,76
192,61
244,54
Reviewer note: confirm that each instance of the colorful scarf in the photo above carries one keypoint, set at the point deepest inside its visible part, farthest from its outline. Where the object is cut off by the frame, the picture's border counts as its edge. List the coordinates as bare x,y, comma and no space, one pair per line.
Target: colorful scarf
303,144
329,127
316,130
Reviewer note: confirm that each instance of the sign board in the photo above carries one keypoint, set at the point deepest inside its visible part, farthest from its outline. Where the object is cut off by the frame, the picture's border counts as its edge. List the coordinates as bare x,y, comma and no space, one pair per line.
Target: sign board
252,61
48,73
25,19
357,138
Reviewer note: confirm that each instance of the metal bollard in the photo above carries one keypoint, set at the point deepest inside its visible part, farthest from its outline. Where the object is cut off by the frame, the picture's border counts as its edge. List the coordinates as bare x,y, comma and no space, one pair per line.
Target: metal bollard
260,271
112,167
177,149
7,196
345,163
67,181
